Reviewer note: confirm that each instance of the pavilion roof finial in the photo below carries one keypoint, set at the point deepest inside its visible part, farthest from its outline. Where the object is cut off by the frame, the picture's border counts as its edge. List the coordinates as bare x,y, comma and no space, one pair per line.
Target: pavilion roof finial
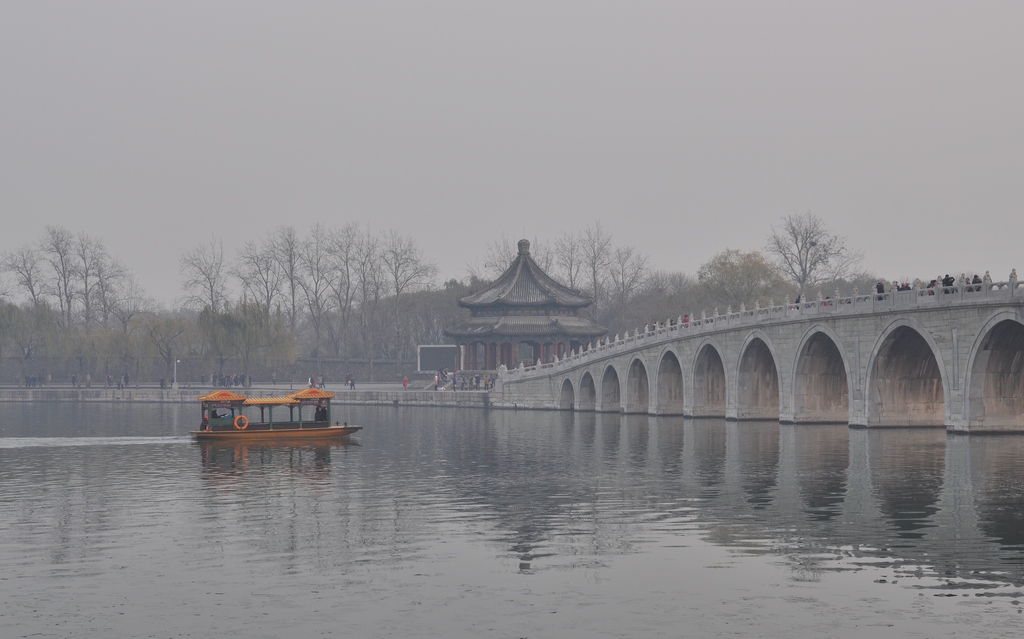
524,247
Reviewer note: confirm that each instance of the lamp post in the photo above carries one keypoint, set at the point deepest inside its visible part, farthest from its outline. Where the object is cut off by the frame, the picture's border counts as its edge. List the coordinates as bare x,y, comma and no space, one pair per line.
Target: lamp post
174,380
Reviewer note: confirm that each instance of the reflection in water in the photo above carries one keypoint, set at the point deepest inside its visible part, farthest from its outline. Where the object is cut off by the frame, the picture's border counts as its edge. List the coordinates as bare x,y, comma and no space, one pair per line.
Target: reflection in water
221,459
822,456
998,464
759,460
709,453
464,500
907,474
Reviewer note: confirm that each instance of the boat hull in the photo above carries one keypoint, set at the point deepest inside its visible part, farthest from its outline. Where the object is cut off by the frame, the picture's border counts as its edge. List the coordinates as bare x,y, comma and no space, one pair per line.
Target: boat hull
289,434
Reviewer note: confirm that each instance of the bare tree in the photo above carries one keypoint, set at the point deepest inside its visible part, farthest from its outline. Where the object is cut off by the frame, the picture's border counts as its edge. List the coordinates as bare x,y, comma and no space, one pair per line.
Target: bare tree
569,258
163,332
597,259
370,287
128,302
91,256
25,264
406,270
343,244
315,263
111,277
203,268
57,247
288,250
808,254
259,271
628,273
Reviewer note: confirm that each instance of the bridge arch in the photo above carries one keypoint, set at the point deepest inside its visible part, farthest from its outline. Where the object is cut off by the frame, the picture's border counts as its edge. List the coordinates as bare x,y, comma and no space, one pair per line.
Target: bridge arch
588,392
709,383
995,375
906,380
669,394
822,383
567,396
638,387
757,379
610,390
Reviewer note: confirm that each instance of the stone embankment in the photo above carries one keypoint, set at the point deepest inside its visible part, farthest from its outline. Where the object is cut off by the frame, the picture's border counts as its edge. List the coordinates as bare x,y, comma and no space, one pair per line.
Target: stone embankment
151,395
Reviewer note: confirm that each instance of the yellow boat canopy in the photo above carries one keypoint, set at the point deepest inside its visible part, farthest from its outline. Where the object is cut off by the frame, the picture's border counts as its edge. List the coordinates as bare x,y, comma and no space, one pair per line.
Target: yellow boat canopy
270,401
307,394
221,396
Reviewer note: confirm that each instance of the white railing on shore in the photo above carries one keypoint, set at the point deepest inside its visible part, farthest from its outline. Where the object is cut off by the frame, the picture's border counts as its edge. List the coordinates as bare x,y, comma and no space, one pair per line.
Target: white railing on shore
857,304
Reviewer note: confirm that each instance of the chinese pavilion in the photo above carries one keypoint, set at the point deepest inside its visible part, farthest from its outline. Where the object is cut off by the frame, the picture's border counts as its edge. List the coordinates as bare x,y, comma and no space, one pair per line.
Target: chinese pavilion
524,306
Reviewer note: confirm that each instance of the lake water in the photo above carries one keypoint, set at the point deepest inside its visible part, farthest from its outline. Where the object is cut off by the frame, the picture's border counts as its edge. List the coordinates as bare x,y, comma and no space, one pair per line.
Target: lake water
461,523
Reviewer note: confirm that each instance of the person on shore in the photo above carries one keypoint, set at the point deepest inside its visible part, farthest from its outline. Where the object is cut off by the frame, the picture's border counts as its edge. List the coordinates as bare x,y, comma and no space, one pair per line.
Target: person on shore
405,383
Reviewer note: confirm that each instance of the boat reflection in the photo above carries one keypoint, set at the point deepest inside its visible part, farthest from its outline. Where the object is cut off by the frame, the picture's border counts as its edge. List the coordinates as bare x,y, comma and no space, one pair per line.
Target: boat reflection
302,458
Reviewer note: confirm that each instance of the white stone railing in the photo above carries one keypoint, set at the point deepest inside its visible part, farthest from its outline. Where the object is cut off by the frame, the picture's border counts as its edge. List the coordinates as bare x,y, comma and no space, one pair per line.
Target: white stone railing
858,304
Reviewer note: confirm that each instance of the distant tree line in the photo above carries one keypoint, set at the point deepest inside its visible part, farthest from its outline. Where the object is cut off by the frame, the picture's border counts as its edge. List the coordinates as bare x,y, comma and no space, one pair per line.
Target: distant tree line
340,297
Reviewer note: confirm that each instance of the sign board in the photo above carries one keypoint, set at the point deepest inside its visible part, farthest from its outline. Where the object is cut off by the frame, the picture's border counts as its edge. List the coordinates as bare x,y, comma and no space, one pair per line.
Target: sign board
432,358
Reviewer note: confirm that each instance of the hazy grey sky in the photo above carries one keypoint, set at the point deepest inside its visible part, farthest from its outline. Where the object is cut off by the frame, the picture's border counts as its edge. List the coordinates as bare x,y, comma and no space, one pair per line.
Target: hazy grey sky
683,127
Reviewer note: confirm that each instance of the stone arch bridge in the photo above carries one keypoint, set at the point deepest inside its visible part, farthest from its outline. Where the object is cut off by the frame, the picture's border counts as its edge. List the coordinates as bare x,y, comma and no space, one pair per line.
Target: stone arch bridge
950,357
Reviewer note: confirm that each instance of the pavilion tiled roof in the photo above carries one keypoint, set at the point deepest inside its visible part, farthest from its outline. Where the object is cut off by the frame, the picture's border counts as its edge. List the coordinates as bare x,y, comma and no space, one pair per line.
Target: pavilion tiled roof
525,284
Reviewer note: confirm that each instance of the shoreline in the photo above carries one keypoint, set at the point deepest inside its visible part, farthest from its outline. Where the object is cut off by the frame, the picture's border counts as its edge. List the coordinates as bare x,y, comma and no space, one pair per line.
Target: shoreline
155,395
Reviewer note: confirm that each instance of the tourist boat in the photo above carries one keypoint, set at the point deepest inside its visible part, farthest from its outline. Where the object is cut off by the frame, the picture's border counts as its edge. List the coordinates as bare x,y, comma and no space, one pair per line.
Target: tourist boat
224,417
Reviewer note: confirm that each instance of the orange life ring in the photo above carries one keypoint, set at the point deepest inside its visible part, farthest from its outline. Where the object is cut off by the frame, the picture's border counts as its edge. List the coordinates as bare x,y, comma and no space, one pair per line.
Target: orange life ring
241,422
